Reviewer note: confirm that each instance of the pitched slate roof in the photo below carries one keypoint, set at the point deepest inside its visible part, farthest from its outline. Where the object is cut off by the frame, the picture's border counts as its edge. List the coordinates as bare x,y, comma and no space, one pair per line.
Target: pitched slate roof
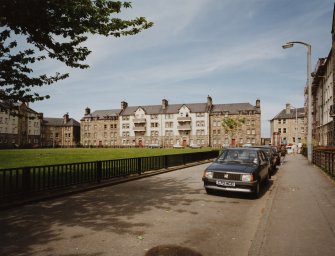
234,108
51,121
170,109
291,115
103,113
14,106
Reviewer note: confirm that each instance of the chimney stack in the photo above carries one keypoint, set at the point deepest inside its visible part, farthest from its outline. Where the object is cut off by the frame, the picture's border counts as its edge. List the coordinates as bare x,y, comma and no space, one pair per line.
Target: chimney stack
288,108
164,104
66,118
124,105
87,111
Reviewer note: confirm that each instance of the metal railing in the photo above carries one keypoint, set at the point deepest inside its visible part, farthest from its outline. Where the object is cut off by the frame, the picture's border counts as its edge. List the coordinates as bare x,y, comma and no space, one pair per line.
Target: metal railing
35,179
325,159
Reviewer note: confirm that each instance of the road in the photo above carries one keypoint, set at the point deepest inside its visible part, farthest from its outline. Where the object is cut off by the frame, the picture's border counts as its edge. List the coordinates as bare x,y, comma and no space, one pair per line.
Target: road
171,211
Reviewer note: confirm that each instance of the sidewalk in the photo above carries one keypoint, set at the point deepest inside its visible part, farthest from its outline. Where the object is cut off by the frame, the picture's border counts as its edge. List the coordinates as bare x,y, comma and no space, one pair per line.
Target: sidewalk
300,214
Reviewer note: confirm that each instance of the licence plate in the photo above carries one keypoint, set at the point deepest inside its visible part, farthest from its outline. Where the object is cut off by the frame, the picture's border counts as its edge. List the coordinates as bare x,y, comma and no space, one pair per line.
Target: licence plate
225,183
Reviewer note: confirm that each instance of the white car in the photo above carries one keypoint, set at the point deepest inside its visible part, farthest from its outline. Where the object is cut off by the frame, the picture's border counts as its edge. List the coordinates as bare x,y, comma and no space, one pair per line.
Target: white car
194,145
178,146
289,149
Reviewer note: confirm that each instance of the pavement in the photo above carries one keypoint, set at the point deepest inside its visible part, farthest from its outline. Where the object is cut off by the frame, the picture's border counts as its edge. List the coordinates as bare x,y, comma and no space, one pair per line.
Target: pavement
299,218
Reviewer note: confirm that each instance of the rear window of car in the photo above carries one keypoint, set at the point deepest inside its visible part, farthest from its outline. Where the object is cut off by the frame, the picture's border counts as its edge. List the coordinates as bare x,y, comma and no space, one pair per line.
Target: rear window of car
239,155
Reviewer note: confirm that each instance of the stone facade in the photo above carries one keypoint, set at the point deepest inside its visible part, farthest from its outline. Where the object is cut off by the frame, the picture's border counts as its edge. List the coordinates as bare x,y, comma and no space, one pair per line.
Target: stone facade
20,126
167,125
248,133
100,128
287,125
60,132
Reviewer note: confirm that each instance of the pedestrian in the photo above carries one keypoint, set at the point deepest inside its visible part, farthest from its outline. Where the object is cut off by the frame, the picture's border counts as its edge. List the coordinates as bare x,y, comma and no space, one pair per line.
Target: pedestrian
283,152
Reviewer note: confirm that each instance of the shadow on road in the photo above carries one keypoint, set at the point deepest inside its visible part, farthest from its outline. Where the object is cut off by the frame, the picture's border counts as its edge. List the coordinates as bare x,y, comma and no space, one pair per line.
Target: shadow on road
112,209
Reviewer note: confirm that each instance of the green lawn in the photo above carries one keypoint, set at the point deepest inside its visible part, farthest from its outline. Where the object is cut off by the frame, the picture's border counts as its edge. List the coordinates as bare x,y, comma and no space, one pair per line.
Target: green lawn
36,157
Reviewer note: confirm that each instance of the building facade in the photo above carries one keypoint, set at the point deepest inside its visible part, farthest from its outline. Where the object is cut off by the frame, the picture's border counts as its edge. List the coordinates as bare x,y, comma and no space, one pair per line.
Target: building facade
248,133
100,128
322,98
167,125
60,132
20,126
288,126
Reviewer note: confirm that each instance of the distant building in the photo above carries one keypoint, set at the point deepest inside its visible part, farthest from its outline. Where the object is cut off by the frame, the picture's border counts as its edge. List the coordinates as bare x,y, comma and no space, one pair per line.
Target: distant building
60,132
100,128
168,125
20,126
288,126
248,133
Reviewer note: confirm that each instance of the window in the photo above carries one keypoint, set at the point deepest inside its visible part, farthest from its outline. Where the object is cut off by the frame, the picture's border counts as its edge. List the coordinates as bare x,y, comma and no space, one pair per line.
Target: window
279,130
168,124
284,130
279,121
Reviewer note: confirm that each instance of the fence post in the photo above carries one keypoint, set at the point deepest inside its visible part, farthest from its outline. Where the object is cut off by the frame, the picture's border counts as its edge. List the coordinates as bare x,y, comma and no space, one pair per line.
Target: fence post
99,171
139,165
26,179
166,162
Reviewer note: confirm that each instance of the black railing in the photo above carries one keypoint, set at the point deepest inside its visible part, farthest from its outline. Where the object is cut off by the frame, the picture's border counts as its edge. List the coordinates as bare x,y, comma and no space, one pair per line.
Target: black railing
28,180
325,159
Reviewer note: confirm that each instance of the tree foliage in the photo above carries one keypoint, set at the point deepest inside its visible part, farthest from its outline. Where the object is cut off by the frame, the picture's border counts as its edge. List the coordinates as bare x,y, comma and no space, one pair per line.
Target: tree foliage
34,30
231,124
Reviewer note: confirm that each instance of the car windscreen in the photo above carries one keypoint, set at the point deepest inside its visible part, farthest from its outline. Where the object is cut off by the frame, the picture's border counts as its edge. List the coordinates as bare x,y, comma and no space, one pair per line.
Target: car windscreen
238,155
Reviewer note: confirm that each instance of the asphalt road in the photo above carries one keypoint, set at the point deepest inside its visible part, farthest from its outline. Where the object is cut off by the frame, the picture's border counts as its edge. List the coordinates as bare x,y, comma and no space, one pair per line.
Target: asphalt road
172,212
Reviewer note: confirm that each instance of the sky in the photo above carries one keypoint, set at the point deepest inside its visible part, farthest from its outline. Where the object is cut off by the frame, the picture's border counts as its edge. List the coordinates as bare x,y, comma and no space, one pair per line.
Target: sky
228,49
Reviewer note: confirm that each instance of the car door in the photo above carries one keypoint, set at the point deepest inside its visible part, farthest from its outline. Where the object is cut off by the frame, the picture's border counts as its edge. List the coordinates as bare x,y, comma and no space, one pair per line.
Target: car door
263,164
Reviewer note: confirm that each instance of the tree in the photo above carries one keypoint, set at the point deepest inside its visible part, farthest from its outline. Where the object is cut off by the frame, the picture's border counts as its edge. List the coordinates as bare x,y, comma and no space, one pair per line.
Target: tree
231,125
34,30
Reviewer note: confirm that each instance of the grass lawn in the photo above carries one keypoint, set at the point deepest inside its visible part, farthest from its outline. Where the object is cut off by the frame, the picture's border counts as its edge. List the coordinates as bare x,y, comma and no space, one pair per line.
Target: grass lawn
36,157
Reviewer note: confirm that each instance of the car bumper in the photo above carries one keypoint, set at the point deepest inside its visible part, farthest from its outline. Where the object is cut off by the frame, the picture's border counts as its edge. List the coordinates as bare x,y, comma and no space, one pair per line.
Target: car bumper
239,186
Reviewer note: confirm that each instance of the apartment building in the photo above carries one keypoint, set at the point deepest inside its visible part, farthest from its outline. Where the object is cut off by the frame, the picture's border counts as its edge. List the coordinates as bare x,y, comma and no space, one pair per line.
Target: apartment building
100,128
247,133
60,132
165,125
20,126
288,126
322,98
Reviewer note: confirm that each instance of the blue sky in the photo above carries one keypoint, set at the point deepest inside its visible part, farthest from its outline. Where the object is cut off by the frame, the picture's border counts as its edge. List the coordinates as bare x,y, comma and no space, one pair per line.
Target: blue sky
228,49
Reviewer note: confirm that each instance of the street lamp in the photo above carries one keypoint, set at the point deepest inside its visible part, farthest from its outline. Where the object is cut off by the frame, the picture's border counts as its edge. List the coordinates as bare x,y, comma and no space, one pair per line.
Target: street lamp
296,127
309,84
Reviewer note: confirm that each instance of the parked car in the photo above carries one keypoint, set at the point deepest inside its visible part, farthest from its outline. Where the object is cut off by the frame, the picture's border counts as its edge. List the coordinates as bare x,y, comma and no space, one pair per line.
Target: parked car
194,145
277,154
289,149
270,155
178,146
237,170
154,146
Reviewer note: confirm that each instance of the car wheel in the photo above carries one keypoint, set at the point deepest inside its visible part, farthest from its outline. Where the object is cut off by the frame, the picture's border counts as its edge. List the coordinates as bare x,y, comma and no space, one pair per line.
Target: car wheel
209,191
257,190
267,178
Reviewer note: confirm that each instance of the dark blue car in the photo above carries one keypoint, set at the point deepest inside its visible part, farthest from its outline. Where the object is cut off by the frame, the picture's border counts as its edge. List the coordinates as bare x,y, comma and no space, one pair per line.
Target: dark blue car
238,170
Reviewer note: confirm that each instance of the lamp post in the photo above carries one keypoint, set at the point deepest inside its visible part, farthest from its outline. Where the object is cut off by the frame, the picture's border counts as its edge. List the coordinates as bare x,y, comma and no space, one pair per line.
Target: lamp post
296,127
309,84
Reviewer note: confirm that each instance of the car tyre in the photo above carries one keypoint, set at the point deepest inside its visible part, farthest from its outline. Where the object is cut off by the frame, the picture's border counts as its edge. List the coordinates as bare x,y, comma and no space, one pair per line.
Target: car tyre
209,191
267,178
257,190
